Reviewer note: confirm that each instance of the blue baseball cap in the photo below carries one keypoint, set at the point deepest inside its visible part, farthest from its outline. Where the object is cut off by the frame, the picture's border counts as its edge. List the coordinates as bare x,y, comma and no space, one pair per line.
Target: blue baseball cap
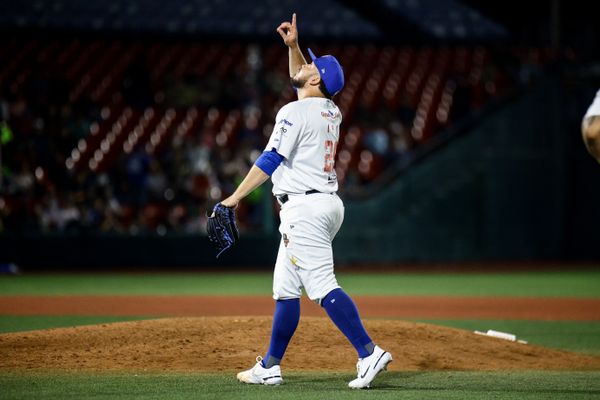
331,72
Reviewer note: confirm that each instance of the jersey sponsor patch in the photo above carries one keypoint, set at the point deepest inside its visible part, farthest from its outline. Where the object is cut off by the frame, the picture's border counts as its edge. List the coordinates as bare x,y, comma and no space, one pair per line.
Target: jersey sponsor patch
278,134
285,122
285,132
331,115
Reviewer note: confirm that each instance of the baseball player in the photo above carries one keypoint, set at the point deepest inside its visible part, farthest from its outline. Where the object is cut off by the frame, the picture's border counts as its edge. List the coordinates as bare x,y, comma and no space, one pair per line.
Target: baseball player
300,158
590,128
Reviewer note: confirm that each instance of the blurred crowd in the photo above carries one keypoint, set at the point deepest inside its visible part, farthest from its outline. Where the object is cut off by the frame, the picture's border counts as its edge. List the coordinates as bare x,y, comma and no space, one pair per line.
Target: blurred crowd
165,192
139,193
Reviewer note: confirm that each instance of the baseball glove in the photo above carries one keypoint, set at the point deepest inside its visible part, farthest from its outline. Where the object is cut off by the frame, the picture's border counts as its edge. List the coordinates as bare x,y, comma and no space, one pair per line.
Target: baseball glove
221,228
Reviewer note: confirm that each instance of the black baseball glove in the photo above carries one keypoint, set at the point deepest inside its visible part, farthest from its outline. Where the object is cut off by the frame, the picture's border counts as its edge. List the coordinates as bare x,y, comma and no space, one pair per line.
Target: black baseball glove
221,228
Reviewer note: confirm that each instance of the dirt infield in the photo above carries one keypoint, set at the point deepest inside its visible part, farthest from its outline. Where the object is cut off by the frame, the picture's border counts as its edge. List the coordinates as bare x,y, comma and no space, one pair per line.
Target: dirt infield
231,343
370,306
218,340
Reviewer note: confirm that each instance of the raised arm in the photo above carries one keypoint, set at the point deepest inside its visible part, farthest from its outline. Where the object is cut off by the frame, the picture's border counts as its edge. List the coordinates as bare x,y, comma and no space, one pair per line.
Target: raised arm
289,34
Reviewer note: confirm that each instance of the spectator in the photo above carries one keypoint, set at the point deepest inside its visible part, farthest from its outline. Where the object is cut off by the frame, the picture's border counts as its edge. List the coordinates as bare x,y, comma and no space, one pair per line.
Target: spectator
156,182
376,139
137,167
136,85
402,141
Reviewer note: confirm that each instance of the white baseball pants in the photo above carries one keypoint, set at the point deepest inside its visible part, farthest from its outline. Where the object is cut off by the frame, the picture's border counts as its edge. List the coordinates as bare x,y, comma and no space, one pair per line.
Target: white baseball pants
309,222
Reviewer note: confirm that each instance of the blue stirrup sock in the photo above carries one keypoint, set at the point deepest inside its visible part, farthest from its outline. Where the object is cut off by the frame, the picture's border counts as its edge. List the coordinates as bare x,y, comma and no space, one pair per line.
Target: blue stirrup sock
285,322
344,314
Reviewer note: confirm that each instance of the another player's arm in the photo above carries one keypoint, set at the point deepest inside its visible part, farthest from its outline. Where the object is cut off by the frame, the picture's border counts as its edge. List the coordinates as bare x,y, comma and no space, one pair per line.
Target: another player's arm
590,130
289,34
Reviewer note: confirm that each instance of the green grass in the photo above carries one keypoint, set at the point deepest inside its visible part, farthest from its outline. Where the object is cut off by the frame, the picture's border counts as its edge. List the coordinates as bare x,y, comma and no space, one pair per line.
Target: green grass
578,336
581,336
19,323
331,386
531,284
137,284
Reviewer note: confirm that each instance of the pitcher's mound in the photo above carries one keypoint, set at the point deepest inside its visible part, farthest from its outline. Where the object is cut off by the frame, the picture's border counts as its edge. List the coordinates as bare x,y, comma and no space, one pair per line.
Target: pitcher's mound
211,344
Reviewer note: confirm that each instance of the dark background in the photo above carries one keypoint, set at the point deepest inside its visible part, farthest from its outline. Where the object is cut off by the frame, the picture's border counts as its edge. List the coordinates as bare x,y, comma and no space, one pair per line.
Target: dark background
507,178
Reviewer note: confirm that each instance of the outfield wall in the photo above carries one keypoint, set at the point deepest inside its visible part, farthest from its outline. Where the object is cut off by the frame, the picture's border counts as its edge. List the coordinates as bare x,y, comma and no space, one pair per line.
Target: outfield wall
518,186
494,193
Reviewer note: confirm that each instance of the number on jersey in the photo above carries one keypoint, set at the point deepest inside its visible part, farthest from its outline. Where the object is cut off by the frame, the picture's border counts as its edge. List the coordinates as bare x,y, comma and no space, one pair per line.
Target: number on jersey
330,149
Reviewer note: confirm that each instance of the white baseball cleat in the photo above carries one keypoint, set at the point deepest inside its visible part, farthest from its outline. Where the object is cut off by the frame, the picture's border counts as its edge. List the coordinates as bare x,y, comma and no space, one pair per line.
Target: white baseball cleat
369,367
260,375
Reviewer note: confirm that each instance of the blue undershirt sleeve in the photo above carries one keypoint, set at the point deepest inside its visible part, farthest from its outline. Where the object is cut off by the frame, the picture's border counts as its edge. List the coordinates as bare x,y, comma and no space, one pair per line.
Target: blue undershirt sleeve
269,161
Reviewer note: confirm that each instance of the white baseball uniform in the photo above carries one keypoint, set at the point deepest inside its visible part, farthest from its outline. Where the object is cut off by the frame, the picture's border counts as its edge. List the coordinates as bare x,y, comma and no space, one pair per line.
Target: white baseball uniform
594,108
306,133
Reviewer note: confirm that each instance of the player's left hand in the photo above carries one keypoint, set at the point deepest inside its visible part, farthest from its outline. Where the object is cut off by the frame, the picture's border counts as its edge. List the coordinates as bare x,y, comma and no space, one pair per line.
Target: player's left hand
289,32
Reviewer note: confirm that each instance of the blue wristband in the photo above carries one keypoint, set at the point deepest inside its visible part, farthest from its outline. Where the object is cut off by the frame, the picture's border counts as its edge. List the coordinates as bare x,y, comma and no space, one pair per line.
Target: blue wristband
269,161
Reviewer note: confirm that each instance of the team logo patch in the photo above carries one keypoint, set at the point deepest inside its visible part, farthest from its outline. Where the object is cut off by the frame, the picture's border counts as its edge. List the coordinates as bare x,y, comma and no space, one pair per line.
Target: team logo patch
286,241
332,178
331,115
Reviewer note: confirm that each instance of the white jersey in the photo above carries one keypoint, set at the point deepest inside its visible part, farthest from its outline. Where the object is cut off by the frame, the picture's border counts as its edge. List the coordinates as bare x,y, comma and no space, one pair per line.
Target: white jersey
594,109
306,134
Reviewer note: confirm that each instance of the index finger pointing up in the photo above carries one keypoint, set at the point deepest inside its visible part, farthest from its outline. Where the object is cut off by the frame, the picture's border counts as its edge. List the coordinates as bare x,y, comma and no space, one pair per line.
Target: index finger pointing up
294,20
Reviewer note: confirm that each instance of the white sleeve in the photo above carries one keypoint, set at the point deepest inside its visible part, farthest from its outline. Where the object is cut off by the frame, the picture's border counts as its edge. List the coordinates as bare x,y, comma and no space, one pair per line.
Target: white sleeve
594,107
286,131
